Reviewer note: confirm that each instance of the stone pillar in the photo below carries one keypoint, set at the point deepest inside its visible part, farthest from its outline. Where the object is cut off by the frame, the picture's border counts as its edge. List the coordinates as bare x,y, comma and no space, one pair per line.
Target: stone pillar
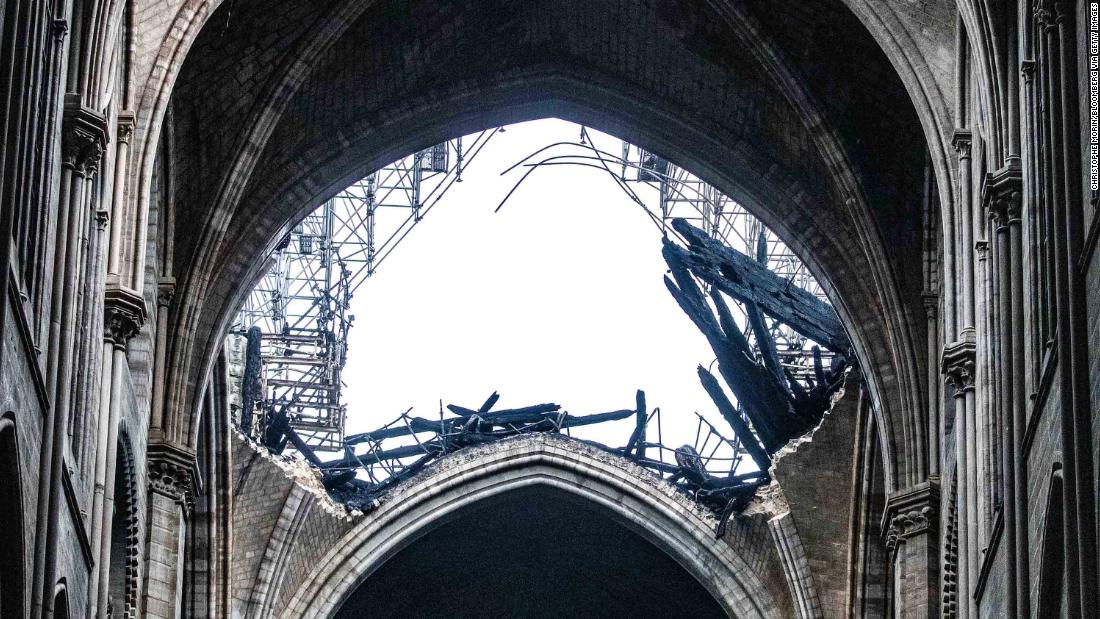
910,524
84,137
173,473
125,132
165,290
124,313
1002,196
957,365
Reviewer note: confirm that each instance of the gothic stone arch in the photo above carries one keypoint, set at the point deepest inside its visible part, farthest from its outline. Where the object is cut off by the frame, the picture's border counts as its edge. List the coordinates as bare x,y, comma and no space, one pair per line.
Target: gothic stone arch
723,91
638,501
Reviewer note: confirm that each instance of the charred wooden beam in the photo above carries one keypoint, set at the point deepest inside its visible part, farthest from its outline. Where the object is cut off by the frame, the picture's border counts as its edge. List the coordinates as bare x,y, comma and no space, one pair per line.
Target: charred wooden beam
777,405
537,409
417,424
766,406
250,381
744,279
740,428
636,444
374,457
302,447
489,403
524,418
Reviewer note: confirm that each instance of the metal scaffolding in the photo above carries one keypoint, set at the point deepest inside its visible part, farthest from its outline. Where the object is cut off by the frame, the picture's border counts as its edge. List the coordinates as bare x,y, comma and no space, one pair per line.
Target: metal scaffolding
666,192
297,317
681,195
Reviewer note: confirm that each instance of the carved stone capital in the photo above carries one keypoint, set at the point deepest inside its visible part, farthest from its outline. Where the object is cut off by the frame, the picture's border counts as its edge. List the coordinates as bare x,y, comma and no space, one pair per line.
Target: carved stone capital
962,140
1002,194
124,313
83,138
982,249
59,28
166,289
931,302
174,473
1044,14
1027,70
125,129
958,363
911,512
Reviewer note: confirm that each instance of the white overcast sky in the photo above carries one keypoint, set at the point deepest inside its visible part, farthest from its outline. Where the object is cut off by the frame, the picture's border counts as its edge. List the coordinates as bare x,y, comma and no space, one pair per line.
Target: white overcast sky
557,298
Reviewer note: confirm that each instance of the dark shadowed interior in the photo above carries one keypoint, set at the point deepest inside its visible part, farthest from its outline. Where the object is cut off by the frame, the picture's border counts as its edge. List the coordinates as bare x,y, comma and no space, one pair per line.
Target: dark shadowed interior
536,552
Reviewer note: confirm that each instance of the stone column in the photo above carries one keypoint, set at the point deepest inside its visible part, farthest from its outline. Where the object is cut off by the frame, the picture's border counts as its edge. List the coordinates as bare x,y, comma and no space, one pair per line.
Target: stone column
124,313
1002,197
84,136
122,157
958,366
910,524
165,290
173,473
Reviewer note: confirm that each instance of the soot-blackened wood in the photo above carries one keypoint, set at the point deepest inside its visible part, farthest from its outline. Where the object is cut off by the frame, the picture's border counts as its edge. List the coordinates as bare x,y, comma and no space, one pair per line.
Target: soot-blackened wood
764,340
337,479
489,403
777,405
302,447
503,416
574,421
250,382
744,279
735,361
740,428
754,384
418,424
691,463
378,456
766,343
636,444
540,418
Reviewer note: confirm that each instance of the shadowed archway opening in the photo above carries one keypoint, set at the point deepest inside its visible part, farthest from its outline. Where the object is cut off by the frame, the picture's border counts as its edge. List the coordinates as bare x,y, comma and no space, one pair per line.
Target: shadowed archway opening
122,572
532,552
11,524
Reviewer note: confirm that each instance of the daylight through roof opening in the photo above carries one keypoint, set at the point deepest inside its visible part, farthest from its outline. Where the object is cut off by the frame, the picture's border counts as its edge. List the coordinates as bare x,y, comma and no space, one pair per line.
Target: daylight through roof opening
536,278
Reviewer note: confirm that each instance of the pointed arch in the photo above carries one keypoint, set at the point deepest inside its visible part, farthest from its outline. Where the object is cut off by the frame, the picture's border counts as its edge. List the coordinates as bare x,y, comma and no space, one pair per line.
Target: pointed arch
1052,570
658,515
12,559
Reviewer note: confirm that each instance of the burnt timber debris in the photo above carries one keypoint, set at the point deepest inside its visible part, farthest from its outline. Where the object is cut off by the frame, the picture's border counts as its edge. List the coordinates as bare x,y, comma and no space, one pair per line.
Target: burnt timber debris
777,405
772,405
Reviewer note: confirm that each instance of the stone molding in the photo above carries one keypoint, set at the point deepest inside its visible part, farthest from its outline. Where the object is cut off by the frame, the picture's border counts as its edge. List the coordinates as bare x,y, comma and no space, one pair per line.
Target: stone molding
123,315
84,137
911,512
958,363
174,473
